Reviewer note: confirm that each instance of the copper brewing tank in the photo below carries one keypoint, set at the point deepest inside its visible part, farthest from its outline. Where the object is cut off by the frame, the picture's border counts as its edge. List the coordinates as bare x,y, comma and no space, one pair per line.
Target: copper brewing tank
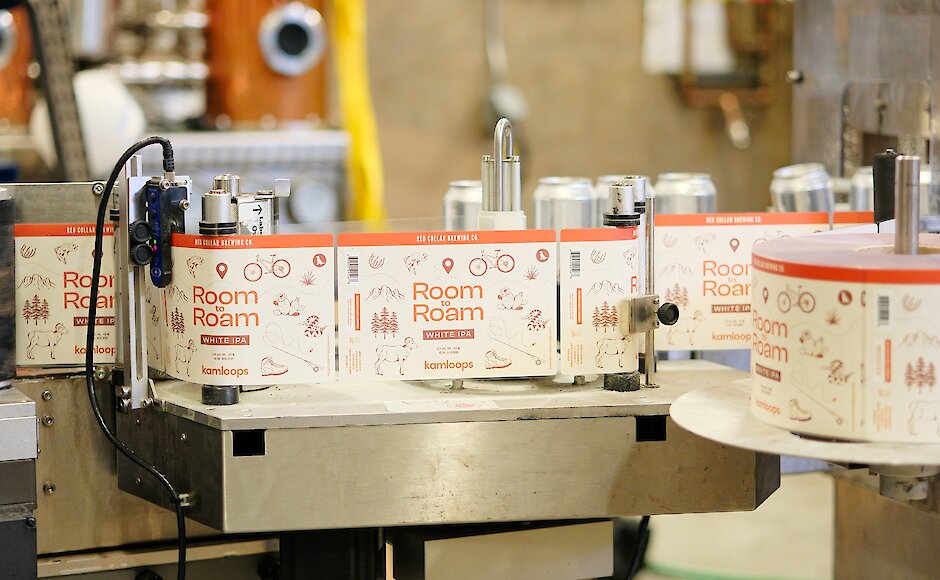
266,62
16,88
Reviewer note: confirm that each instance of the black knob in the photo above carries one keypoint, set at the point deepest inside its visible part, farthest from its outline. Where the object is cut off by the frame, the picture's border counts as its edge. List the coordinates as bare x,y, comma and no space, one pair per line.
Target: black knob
141,254
668,314
140,232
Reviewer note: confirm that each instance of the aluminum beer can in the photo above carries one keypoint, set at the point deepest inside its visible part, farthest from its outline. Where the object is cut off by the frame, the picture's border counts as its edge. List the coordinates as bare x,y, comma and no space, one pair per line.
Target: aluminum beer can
685,193
862,190
462,204
565,202
802,187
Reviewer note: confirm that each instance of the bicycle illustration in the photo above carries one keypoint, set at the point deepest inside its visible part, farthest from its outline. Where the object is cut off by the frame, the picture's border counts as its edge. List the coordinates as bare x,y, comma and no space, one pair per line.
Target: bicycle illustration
277,266
502,262
803,299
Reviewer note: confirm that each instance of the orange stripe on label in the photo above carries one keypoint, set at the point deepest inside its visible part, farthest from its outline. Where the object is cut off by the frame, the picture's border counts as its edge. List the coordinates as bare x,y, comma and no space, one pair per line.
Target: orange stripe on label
577,307
853,217
356,312
742,219
837,274
599,234
887,361
440,238
43,230
248,242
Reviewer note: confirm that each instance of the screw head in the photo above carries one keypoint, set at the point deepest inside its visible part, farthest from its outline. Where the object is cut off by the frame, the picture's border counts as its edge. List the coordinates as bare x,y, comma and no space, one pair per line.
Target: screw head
48,420
183,438
48,488
47,395
184,204
97,188
137,481
31,522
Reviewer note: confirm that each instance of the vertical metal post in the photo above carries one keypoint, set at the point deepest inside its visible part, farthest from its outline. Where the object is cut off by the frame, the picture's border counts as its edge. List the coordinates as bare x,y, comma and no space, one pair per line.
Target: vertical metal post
907,204
650,362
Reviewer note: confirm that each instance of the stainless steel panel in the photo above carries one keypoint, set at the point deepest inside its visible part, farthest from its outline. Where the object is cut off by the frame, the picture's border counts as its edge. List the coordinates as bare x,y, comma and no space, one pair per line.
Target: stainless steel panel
546,462
17,426
79,505
53,203
18,482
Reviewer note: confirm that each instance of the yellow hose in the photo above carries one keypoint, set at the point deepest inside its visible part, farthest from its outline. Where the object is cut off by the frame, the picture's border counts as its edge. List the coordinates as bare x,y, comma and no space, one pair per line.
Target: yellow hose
364,162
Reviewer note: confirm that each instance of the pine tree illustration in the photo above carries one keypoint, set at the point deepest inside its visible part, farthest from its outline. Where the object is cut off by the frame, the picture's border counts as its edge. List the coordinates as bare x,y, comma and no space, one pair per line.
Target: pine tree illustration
376,326
920,372
35,305
383,322
605,316
44,311
909,375
614,318
27,311
393,324
597,318
177,323
931,378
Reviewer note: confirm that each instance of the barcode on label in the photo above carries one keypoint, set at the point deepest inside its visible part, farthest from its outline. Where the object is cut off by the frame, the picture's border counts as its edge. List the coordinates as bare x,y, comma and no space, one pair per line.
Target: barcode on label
575,264
352,269
884,310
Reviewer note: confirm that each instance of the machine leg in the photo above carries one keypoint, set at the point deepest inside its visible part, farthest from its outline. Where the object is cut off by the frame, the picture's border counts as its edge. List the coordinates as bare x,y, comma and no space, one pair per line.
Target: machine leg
353,554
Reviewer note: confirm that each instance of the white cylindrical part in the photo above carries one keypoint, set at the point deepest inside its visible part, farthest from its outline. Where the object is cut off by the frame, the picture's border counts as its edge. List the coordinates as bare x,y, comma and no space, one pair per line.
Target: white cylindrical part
906,204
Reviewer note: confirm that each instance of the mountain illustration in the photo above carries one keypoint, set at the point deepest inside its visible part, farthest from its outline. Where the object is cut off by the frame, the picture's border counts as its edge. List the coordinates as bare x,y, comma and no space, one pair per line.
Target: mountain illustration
605,287
920,339
386,293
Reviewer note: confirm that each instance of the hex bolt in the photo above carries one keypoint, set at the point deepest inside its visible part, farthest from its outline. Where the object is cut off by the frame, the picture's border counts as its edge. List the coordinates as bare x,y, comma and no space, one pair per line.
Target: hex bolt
97,188
47,395
184,204
48,420
48,488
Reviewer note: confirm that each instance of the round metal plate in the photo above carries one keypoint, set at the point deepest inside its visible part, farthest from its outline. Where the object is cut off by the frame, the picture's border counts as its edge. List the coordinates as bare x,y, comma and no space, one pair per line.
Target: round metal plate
723,414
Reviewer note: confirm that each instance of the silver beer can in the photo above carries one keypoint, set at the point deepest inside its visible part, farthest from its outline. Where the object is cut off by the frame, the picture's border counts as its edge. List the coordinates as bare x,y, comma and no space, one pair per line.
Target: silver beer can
862,190
565,202
462,204
685,193
802,187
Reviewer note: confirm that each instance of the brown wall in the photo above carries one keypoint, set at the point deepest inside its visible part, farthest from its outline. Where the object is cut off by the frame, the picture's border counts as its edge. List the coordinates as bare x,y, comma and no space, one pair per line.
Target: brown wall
592,109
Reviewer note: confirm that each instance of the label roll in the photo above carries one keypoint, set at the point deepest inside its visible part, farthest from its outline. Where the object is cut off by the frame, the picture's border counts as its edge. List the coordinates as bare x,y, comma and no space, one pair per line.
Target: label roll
846,339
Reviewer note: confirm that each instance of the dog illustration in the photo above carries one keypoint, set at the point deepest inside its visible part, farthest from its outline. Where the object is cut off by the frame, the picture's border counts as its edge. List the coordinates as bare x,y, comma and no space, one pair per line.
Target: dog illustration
45,339
393,354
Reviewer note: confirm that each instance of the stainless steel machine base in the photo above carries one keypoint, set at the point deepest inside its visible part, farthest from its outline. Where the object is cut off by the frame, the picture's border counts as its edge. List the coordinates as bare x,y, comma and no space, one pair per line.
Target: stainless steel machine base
392,454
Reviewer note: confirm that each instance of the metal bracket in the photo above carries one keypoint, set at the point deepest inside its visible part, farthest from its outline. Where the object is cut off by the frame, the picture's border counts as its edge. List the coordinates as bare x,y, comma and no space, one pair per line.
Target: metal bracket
638,314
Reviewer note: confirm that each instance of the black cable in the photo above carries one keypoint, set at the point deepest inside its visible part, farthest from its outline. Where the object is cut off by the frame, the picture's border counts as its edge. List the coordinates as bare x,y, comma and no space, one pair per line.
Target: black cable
642,538
168,166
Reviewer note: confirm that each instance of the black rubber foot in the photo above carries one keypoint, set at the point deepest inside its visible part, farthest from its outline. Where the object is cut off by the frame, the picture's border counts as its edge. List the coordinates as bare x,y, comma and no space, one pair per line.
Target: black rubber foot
213,395
622,382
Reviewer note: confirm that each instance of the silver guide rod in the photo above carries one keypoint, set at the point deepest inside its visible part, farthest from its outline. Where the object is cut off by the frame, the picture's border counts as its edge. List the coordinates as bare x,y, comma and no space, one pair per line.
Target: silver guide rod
650,355
906,204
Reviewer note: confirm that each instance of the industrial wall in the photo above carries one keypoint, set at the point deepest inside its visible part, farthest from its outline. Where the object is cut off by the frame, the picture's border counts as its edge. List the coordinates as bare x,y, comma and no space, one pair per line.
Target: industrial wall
592,108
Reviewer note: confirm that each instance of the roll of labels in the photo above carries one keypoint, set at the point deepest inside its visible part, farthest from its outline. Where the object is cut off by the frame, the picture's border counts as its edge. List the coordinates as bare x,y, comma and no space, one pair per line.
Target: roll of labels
846,341
238,306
